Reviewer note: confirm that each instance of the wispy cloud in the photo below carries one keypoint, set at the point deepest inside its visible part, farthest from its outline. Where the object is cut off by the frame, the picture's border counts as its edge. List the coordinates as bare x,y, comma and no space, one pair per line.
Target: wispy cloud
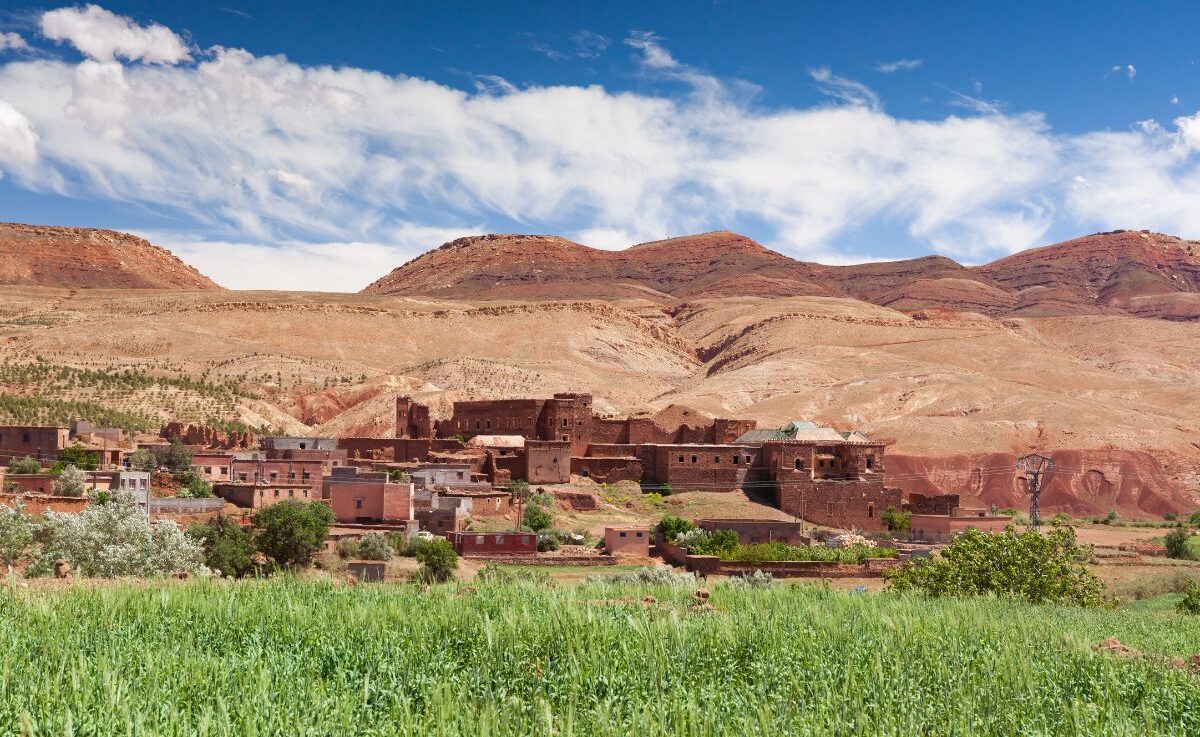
237,12
581,45
899,65
844,89
1128,70
12,42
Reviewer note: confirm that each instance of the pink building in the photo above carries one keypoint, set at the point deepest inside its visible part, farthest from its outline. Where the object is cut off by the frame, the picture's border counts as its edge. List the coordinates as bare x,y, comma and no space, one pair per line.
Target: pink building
493,543
362,497
257,496
214,466
940,528
629,540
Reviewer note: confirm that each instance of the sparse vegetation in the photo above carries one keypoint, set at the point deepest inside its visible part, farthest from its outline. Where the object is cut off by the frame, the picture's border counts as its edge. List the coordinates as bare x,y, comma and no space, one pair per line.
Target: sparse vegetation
1178,544
896,520
24,465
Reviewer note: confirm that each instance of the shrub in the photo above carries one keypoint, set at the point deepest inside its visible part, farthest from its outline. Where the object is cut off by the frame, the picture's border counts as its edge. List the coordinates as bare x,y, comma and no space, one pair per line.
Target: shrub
720,543
115,539
142,460
196,488
1031,566
1110,518
1194,519
398,542
291,531
691,538
71,482
374,546
349,548
1190,604
396,476
228,547
498,574
1170,516
671,527
438,560
24,465
656,576
175,457
547,541
80,457
896,520
536,518
1176,542
752,580
16,534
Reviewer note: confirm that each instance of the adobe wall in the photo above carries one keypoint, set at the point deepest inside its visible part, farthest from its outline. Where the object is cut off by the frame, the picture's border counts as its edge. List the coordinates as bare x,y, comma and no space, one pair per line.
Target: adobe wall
937,528
568,418
709,565
485,543
547,462
310,473
608,470
943,504
257,496
843,504
703,467
412,419
396,449
369,501
37,504
37,441
752,531
627,541
441,521
493,417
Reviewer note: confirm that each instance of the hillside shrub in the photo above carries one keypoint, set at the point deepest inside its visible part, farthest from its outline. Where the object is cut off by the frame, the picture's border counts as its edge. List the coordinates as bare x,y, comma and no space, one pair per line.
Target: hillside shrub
374,546
71,482
228,547
896,520
142,460
671,527
1190,603
536,518
80,457
1032,566
548,541
16,534
438,560
1176,542
27,464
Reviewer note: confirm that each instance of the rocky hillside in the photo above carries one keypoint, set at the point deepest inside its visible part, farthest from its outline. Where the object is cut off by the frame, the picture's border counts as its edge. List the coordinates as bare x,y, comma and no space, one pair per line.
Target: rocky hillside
548,267
48,256
1121,272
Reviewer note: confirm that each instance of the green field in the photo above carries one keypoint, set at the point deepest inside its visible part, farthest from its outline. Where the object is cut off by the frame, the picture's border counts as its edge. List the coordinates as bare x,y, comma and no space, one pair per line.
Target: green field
301,658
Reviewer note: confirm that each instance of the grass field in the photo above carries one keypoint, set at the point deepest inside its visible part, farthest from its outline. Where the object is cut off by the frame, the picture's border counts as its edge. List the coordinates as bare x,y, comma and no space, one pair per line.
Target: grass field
300,658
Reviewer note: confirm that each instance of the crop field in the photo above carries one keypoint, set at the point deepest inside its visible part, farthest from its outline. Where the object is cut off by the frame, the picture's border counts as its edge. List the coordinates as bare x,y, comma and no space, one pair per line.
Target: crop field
290,657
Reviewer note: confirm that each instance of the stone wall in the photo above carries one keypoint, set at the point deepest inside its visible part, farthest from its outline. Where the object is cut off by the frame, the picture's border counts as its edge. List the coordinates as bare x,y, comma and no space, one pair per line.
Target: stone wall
842,504
547,462
37,504
608,470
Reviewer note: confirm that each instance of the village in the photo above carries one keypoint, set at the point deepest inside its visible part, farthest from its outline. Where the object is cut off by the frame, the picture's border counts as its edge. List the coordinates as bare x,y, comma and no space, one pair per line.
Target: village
470,478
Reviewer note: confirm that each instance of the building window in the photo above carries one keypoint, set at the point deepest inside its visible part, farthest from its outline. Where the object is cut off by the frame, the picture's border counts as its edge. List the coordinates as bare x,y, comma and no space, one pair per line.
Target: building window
622,534
224,470
274,475
565,438
799,465
695,459
291,475
24,437
736,460
460,475
870,511
479,539
716,459
242,476
870,463
564,422
291,494
304,475
303,446
277,493
499,539
639,533
208,470
358,503
681,459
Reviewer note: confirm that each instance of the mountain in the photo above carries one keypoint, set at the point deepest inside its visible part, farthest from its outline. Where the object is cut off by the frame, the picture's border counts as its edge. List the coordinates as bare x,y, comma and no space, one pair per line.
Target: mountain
548,267
1121,272
1136,272
48,256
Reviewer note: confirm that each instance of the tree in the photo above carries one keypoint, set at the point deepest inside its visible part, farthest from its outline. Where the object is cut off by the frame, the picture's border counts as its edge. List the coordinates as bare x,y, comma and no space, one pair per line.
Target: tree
228,547
374,546
176,457
671,527
396,476
1031,566
115,539
438,560
896,520
196,488
80,457
27,464
537,518
1194,519
520,497
1177,545
142,460
16,534
71,482
292,531
1190,603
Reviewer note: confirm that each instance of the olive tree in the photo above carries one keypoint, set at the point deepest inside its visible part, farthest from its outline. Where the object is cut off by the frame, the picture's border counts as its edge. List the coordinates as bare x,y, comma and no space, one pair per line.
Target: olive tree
71,482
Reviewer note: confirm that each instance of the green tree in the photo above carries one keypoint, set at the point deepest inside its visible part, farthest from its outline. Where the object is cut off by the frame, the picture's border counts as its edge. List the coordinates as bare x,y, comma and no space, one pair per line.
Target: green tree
27,464
671,527
521,493
1194,519
16,534
438,560
896,520
175,457
1031,566
1176,542
1190,603
195,488
80,457
537,518
228,547
292,531
71,482
142,460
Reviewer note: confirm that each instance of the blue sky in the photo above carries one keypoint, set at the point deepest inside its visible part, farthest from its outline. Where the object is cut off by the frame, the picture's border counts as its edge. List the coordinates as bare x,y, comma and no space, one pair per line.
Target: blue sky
307,145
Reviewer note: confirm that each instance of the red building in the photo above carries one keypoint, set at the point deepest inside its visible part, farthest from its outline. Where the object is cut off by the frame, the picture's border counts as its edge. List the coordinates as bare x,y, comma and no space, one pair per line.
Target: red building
493,543
364,497
628,540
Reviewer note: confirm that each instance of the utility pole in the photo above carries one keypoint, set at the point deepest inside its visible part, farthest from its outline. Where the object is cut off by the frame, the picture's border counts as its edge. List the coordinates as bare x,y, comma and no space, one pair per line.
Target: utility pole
1034,465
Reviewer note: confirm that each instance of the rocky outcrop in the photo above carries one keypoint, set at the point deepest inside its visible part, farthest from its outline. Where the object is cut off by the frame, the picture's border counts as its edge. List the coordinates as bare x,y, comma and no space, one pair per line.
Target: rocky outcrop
206,436
48,256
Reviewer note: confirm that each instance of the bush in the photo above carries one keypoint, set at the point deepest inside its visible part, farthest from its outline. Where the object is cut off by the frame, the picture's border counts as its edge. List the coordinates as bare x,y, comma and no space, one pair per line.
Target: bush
671,527
71,482
1190,604
1031,566
547,541
398,542
228,547
896,520
536,518
1176,542
80,457
291,531
16,534
349,549
657,576
438,560
1194,519
752,580
374,546
1170,516
396,476
176,458
27,464
142,460
115,539
1110,518
721,543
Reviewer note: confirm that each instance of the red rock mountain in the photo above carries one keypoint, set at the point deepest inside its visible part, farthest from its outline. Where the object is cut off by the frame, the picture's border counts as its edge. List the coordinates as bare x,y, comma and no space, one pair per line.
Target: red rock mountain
1140,273
47,256
548,267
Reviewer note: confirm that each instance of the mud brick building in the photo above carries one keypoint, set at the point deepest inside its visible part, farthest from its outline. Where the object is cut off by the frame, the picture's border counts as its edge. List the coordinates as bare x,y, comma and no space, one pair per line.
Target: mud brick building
697,467
547,461
412,419
752,531
257,496
565,417
493,543
363,497
627,540
40,442
308,473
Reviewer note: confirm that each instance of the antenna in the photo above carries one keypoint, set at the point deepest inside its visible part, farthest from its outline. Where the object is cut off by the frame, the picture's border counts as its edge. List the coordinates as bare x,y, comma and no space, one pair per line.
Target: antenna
1033,466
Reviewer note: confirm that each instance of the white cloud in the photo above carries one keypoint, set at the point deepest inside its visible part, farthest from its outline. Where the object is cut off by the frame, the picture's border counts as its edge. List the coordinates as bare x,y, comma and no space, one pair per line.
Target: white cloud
12,42
328,177
846,90
899,65
105,36
1128,70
